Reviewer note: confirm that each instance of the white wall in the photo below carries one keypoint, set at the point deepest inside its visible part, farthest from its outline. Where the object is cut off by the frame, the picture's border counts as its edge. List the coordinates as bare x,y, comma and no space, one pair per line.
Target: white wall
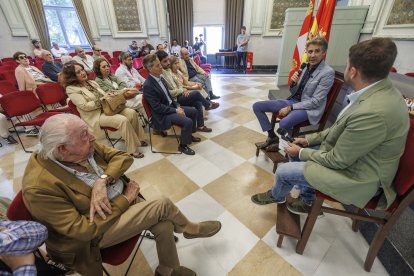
10,44
209,12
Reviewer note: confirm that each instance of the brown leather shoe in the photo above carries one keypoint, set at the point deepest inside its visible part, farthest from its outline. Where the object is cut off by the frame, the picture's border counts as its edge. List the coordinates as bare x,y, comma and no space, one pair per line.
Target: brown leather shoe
213,105
179,271
204,129
207,229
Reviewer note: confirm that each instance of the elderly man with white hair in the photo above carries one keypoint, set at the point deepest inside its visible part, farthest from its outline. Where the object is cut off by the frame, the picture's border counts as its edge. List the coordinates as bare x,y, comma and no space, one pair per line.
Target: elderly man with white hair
77,189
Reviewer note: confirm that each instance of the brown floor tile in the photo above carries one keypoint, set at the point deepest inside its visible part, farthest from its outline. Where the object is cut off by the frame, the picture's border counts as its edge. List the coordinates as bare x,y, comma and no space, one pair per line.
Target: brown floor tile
234,191
262,260
163,178
244,147
238,114
139,267
7,165
235,87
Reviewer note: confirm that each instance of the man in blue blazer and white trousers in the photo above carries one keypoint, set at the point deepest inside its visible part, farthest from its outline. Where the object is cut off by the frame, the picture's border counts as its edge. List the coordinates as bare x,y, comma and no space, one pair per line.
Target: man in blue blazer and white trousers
308,95
165,111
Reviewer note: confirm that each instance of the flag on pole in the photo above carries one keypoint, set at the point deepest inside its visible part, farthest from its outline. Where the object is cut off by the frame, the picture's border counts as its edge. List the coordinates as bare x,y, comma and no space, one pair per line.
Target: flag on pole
303,37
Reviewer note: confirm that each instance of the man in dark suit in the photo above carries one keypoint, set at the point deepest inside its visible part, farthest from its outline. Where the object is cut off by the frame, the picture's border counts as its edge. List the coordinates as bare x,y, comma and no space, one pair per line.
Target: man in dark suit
165,111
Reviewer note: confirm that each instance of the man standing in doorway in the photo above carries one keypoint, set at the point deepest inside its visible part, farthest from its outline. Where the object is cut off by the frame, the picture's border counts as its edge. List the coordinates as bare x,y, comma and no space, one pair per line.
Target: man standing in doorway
242,40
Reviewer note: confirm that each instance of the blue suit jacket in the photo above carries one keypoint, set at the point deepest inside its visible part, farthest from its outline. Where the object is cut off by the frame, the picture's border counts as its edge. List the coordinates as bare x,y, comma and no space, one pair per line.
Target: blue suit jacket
315,92
158,103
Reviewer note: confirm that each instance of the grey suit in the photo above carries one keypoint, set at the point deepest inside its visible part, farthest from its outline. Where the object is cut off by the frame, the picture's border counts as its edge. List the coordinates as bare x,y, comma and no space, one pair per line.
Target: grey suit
315,91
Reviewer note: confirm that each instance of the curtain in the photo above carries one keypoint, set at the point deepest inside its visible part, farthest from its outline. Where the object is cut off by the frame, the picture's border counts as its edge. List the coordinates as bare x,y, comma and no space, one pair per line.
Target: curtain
39,18
233,22
181,20
83,20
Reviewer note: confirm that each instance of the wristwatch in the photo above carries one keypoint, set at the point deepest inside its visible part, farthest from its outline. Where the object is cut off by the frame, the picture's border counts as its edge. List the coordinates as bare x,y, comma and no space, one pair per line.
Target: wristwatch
109,179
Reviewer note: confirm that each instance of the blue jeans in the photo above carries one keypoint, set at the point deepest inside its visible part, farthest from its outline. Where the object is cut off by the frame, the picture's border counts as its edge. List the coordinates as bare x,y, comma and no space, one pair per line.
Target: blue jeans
291,174
293,118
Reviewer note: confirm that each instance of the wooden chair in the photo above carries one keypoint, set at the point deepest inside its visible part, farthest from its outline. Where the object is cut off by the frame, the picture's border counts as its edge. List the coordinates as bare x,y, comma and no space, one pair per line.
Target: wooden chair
276,157
404,185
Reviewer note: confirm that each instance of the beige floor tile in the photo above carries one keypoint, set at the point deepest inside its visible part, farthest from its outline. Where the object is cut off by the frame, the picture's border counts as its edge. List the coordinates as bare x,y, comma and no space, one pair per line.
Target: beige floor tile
7,165
235,87
17,184
244,147
267,86
163,178
234,191
238,114
262,260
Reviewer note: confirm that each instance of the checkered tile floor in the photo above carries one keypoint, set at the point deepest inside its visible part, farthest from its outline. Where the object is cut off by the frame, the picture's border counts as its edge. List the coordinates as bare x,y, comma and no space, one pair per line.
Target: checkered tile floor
217,183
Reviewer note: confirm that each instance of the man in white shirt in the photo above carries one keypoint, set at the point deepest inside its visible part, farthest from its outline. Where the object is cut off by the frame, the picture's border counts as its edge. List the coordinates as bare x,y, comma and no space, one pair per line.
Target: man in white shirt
84,59
127,73
58,52
175,48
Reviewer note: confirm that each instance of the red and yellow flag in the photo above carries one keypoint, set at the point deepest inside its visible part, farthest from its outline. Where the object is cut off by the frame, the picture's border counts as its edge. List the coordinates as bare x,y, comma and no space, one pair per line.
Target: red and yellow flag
319,26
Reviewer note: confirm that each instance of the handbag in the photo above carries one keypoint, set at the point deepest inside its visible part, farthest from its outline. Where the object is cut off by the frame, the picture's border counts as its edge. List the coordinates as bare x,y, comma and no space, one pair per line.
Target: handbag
112,105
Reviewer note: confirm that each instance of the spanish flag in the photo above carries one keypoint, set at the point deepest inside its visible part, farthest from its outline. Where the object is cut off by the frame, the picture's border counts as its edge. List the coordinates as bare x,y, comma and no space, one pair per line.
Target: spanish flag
319,26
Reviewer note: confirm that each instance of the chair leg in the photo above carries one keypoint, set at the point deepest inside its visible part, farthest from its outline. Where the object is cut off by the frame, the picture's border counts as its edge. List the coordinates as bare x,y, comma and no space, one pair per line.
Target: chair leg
355,222
105,271
257,151
154,151
280,240
310,222
274,167
18,137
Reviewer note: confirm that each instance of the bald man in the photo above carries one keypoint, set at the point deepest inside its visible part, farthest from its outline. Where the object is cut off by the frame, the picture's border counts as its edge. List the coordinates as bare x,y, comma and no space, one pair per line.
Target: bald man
84,59
195,73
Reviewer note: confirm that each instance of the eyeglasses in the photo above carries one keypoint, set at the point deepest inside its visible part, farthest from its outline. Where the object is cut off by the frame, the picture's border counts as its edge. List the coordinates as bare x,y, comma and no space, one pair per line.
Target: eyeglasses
81,51
22,57
98,50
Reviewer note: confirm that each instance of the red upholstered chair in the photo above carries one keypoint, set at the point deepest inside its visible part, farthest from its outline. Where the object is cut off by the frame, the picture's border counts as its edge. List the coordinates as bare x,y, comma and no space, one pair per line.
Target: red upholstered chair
17,209
6,87
404,185
148,111
73,54
52,94
137,63
38,62
6,68
206,67
6,59
108,57
89,53
104,53
143,72
74,111
393,69
113,68
91,75
409,74
9,76
11,63
116,54
22,103
114,61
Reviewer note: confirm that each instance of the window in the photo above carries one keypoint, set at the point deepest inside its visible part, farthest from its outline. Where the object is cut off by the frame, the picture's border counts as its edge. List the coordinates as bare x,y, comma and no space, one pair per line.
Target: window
212,36
63,24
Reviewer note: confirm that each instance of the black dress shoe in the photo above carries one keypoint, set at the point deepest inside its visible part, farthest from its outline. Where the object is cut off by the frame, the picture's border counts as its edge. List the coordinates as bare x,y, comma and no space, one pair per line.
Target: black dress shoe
214,97
186,150
269,141
195,139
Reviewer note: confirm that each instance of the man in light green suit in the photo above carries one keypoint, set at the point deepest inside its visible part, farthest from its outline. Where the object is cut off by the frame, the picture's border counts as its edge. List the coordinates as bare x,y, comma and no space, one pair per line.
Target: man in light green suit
359,154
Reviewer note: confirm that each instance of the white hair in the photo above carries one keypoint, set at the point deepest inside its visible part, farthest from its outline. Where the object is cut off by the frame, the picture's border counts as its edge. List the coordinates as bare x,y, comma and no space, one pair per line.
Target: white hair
56,131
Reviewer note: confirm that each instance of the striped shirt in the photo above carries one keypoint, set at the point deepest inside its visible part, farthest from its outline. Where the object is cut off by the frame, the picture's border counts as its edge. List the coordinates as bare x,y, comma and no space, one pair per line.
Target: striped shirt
90,178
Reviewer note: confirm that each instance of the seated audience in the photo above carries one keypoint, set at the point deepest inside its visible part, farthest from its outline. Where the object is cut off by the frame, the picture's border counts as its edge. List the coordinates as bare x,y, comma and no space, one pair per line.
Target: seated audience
86,95
193,72
175,48
4,129
160,47
84,59
189,48
308,95
74,176
127,73
134,50
109,83
97,52
146,48
189,85
28,77
166,111
183,96
37,48
57,51
359,154
50,67
18,240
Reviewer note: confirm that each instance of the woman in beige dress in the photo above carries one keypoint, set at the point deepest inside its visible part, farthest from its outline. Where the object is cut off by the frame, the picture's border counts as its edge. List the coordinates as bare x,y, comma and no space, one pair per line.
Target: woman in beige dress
86,95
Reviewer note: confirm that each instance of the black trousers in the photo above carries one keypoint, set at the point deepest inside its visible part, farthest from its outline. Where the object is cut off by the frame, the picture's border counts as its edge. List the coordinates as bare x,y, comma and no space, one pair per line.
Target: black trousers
241,56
